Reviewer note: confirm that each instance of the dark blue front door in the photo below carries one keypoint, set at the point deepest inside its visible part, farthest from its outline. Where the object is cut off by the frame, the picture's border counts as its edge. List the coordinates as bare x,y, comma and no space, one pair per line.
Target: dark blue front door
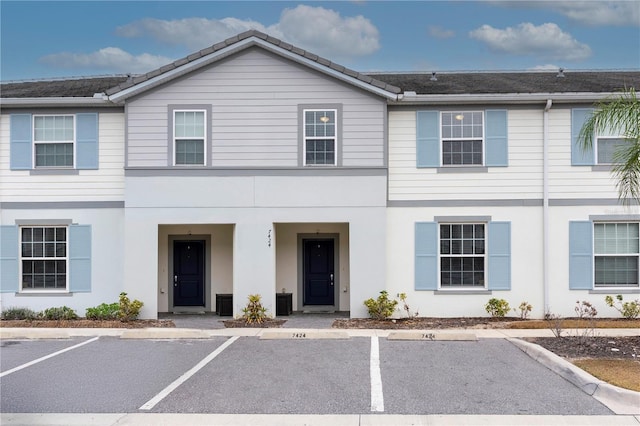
318,273
188,273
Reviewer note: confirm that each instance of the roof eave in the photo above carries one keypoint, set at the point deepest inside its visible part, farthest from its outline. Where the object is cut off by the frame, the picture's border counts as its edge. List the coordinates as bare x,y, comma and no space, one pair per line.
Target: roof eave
122,95
54,102
493,98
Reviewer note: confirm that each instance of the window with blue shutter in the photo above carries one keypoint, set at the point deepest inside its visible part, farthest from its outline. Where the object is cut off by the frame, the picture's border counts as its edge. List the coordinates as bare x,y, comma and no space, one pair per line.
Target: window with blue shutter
21,144
499,249
428,139
580,255
9,259
426,256
80,258
496,143
580,156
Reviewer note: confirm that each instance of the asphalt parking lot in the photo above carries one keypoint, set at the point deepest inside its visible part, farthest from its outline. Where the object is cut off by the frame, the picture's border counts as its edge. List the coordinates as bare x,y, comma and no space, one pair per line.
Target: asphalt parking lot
359,375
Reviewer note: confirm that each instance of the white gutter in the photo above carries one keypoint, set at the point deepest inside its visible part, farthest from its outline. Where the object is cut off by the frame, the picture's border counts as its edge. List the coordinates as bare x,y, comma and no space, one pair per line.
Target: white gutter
409,98
54,102
545,206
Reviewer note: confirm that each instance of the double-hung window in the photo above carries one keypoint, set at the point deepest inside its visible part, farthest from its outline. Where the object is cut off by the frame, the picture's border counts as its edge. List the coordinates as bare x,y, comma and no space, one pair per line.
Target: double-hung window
462,255
53,138
616,252
606,145
320,137
44,257
462,138
189,130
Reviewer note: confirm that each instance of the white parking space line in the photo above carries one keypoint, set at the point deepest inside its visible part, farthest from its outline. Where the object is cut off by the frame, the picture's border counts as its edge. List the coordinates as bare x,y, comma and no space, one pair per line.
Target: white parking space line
377,398
180,380
35,361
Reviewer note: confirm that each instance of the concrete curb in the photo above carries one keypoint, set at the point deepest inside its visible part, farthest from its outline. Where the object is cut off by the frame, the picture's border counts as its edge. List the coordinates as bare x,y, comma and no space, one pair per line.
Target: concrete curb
618,400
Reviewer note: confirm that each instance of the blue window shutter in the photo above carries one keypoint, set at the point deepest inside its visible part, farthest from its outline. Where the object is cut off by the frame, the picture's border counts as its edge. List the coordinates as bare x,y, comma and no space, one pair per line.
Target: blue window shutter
499,247
426,246
87,141
9,259
21,142
579,156
496,144
580,255
80,258
428,139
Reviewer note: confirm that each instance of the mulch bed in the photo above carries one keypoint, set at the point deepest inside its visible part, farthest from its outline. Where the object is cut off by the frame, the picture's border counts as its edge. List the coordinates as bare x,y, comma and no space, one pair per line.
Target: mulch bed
576,347
422,323
267,323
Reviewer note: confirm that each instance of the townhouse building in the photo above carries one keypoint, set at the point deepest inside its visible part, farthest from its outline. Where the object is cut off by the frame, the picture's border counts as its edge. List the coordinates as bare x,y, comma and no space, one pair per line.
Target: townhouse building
255,167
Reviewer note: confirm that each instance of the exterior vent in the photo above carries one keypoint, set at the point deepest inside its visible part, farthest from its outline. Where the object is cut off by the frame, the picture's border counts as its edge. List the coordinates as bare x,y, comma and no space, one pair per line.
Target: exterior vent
433,77
560,73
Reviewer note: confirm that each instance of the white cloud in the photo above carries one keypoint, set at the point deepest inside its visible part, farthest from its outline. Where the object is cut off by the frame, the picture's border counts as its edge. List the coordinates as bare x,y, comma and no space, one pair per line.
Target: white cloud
546,67
600,13
544,41
590,12
322,31
109,59
439,32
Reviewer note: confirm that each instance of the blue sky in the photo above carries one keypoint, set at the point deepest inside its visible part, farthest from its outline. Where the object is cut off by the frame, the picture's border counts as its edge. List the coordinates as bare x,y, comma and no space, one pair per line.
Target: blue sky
77,38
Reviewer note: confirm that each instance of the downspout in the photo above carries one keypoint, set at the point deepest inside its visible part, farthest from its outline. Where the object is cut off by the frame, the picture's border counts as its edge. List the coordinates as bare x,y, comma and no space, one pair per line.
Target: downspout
545,207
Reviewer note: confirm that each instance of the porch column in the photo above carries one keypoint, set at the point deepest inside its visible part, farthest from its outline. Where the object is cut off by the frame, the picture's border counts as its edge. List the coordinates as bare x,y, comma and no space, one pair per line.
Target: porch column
254,265
141,262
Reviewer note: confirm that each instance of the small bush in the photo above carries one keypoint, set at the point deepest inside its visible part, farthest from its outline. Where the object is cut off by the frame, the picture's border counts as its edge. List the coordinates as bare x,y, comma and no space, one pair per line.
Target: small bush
59,313
103,312
403,299
629,310
254,312
128,310
555,323
524,308
382,307
19,314
497,307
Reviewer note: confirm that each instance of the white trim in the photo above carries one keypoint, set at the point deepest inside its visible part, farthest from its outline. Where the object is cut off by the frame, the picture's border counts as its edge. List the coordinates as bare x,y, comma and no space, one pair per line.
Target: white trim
43,290
54,102
462,139
485,256
502,98
205,125
628,254
305,137
34,166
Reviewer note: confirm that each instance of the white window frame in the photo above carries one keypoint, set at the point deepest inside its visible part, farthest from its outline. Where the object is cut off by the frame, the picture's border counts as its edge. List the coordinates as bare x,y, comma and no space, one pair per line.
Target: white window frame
485,256
35,142
24,289
456,113
306,138
595,255
204,137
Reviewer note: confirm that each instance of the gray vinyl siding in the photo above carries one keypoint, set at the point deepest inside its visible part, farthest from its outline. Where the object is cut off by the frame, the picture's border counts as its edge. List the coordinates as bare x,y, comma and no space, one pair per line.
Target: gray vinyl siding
254,117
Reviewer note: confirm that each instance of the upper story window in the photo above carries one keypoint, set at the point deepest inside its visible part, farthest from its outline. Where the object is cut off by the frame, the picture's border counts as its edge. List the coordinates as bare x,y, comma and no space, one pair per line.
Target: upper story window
53,138
189,137
320,140
462,255
462,138
43,254
616,252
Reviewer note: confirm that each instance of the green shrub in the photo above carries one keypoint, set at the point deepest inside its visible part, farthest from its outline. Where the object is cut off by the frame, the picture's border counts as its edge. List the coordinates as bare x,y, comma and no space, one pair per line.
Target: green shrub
629,310
103,311
59,313
128,310
382,307
254,312
19,314
497,307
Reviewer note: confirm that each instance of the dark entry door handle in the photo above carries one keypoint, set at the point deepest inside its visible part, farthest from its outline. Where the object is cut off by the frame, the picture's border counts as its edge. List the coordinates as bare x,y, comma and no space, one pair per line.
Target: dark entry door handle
175,281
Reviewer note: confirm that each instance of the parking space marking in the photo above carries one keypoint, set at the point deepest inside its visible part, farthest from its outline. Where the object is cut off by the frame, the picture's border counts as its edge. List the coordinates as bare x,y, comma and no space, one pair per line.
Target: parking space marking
180,380
377,398
35,361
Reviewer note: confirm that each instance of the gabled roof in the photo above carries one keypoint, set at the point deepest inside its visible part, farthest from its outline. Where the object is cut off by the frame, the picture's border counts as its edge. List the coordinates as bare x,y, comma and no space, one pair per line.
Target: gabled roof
241,42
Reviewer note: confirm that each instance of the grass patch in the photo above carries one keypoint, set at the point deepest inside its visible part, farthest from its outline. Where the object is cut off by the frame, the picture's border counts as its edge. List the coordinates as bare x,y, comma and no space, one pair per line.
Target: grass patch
619,372
576,323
